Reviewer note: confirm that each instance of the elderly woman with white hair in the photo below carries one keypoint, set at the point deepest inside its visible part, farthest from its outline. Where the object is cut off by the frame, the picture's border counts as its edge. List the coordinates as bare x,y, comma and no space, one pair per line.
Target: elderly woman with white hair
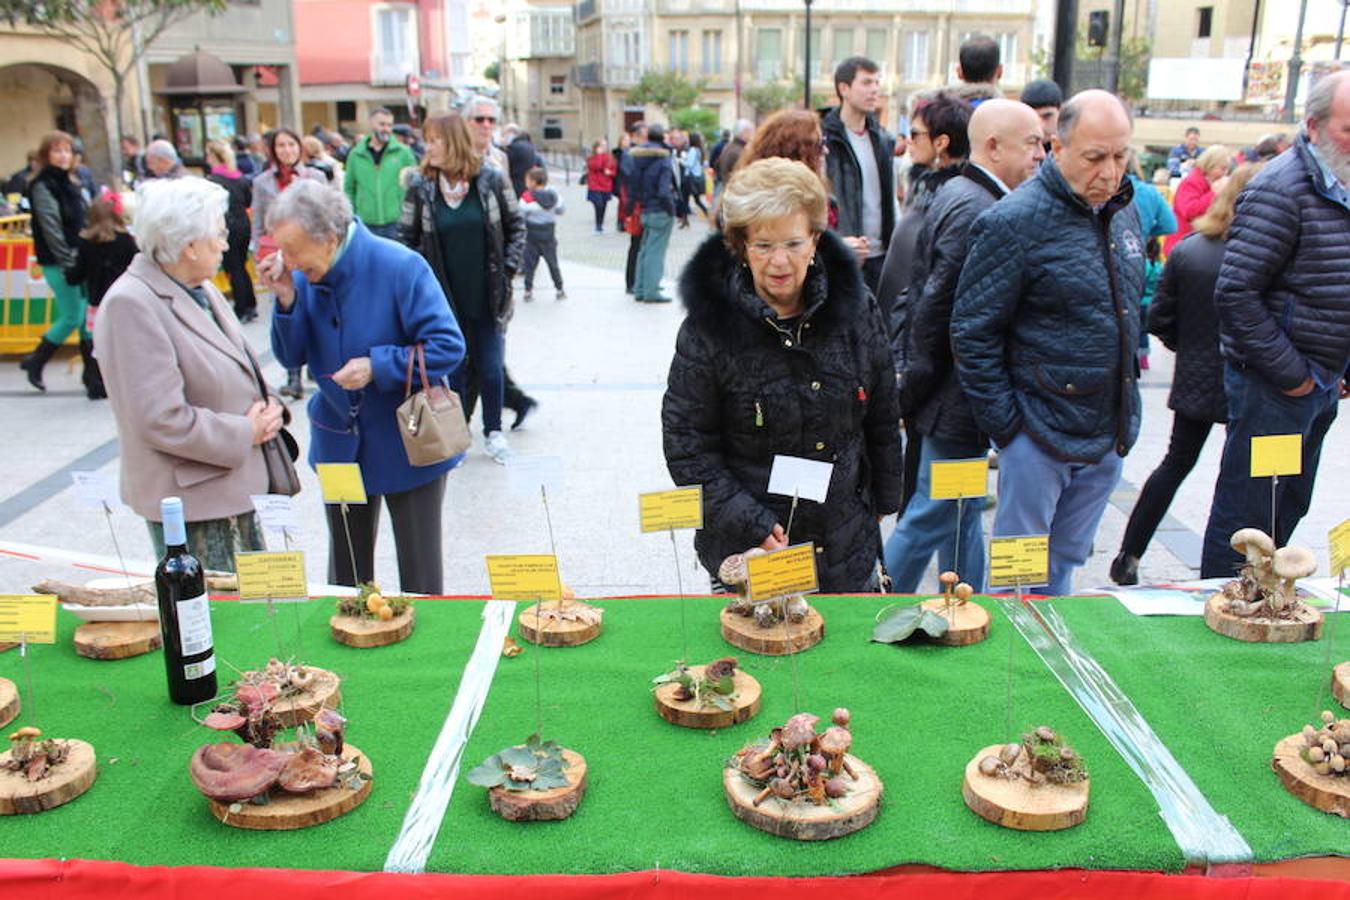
353,307
182,380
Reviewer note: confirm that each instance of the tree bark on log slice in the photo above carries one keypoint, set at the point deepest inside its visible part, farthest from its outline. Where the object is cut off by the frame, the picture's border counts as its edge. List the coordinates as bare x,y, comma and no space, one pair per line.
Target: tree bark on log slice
66,781
776,640
968,622
1013,803
556,632
4,647
1325,792
363,633
1306,625
127,592
288,812
117,640
304,706
803,820
744,701
9,702
1340,684
543,806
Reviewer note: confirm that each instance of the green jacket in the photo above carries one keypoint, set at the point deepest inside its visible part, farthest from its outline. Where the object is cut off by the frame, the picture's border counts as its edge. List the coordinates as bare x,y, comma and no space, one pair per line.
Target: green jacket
375,191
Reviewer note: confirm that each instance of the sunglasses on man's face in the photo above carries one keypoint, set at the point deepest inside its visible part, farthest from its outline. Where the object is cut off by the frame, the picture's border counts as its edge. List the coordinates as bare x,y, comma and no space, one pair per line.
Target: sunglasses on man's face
481,119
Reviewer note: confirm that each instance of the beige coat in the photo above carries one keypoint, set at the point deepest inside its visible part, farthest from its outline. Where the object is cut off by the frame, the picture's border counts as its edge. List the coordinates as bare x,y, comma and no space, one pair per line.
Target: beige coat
180,387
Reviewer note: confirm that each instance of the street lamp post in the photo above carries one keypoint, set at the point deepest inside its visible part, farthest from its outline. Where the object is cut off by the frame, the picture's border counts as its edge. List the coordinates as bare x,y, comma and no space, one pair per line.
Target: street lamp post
1340,32
1295,63
806,72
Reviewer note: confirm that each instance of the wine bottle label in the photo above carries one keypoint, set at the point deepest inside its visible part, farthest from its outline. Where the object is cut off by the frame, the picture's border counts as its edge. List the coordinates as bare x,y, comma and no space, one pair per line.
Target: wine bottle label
194,625
200,669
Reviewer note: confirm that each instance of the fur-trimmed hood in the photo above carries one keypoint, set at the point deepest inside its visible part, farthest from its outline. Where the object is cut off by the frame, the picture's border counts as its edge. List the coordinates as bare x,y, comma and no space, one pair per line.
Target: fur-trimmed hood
717,291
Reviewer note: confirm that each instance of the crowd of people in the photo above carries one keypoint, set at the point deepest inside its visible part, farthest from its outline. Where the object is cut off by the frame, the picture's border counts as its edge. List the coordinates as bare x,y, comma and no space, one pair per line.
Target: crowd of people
979,286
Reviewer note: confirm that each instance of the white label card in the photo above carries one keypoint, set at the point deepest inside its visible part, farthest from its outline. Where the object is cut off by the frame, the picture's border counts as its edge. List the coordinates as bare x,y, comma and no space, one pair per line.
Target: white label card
94,489
793,476
194,625
277,515
527,474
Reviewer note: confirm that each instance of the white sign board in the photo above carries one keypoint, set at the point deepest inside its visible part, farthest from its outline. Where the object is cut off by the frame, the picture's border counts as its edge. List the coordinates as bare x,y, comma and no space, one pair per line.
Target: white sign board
1182,78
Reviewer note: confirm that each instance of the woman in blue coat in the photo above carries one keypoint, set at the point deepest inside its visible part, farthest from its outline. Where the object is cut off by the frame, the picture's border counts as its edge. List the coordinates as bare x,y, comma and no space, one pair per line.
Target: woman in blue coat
352,306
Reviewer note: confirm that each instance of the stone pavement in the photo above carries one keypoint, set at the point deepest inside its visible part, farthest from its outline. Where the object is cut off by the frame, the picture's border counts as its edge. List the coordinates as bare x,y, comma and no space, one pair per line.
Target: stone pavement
597,363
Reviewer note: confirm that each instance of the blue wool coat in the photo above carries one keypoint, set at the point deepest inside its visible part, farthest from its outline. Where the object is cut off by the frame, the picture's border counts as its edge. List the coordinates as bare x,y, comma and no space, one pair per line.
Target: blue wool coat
377,301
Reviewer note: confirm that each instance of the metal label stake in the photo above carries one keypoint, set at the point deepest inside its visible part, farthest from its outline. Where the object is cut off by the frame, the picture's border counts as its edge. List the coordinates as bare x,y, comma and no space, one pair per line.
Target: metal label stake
538,678
299,632
351,551
1008,713
956,551
1274,486
31,708
552,547
679,581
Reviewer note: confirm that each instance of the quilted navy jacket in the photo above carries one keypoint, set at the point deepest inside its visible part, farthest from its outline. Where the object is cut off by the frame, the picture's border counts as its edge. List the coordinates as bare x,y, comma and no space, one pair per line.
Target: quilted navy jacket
1284,306
1046,319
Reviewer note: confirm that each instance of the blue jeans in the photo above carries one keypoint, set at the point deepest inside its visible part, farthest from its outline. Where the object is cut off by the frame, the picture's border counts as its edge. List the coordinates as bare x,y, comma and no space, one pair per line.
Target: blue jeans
651,261
486,348
1038,494
1256,407
929,526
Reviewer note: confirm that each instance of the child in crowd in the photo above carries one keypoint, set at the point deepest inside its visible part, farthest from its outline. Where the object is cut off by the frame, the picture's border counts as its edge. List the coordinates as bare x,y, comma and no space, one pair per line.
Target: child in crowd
542,207
104,252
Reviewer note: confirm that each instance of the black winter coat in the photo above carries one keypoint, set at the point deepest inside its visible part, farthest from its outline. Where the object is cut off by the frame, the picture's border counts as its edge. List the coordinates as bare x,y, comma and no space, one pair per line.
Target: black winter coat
99,263
652,181
1183,316
59,209
521,157
1284,305
240,191
744,387
1046,324
930,393
845,176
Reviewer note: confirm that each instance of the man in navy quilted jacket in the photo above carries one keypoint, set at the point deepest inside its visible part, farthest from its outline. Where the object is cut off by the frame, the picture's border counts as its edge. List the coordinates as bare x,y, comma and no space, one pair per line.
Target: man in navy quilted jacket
1044,330
1283,298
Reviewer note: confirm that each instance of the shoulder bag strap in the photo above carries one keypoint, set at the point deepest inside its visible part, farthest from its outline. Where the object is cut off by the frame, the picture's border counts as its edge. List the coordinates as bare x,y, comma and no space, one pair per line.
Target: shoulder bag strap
407,378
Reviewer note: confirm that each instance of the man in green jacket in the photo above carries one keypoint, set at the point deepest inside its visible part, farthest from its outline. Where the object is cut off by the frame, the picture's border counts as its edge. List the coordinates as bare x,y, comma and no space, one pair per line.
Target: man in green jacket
372,180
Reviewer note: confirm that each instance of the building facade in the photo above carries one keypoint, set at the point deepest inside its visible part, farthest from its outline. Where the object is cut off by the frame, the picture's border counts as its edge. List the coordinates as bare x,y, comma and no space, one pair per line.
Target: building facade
537,90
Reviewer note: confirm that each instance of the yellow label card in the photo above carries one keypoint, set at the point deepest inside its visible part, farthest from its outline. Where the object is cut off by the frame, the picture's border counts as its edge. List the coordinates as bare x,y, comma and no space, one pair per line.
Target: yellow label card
28,617
1019,560
524,577
341,483
264,576
958,479
1277,454
666,510
1339,548
783,573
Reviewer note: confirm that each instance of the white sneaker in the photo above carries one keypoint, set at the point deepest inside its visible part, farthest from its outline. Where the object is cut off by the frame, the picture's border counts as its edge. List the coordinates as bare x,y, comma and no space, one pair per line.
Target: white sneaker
496,447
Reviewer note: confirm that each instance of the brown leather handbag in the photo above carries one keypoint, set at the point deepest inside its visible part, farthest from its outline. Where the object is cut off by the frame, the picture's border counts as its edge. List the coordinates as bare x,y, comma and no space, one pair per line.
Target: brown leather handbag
431,420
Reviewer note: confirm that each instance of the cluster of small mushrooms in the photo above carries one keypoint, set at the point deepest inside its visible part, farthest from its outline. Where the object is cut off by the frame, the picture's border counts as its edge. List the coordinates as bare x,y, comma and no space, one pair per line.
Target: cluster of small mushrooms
230,772
32,756
798,763
1042,757
1328,747
1265,584
734,573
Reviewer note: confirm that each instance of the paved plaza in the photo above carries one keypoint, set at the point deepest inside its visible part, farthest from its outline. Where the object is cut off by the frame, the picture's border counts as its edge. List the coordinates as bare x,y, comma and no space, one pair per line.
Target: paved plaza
597,363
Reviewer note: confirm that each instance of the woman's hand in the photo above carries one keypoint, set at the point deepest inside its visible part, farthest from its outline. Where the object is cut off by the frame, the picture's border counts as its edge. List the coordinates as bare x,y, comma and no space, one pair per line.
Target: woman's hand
276,279
860,247
777,540
266,420
355,375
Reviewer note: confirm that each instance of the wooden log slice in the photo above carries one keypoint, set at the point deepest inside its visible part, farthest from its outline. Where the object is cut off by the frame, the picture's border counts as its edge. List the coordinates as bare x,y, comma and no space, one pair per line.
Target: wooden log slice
967,624
776,640
363,633
117,640
1340,684
555,632
1325,792
4,647
1306,625
287,812
66,781
803,820
693,714
543,806
304,706
1013,803
9,702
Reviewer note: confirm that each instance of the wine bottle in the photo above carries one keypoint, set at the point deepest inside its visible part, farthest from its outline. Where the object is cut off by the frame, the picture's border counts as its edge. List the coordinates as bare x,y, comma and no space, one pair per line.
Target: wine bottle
184,613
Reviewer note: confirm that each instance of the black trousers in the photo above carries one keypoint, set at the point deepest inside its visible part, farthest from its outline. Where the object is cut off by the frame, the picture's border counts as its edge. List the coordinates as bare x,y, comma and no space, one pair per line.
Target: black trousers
235,264
541,243
630,267
910,464
416,516
1183,449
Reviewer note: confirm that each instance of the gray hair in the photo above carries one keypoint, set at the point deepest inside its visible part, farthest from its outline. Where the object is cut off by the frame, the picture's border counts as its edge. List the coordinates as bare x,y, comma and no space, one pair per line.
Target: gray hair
163,149
742,126
1322,95
478,100
321,211
172,213
1073,108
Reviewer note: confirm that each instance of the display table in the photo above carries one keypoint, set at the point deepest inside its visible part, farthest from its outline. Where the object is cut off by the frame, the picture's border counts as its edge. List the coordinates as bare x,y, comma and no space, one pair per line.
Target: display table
655,801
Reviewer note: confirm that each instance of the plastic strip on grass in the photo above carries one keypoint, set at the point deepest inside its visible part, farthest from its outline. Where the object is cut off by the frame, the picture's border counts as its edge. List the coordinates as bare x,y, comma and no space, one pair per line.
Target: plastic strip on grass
1204,836
423,819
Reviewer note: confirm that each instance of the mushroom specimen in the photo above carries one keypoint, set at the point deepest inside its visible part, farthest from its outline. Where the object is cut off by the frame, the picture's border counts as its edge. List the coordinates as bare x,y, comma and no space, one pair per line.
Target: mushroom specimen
797,763
734,572
1289,564
232,772
1266,583
308,770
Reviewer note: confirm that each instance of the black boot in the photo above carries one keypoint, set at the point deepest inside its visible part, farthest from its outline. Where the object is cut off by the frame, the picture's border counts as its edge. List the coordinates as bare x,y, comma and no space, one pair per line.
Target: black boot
1125,570
36,361
93,378
294,386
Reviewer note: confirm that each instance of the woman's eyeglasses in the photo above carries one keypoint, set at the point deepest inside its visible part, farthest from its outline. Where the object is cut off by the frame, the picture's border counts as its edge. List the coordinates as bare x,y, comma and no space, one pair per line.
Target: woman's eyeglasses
485,119
764,249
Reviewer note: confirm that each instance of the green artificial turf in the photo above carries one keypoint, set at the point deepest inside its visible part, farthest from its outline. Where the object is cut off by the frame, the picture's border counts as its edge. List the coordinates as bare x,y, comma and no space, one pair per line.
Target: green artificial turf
143,808
1221,706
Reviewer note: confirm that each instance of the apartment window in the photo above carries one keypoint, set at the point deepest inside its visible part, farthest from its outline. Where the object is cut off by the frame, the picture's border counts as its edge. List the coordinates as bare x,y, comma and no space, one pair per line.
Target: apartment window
1007,47
395,43
768,54
916,57
842,48
712,52
679,51
822,59
1204,21
557,85
553,129
876,46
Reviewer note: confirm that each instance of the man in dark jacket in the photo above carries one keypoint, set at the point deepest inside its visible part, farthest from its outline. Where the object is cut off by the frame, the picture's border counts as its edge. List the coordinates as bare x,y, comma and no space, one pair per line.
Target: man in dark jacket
860,165
521,157
1005,150
1284,321
653,186
1044,331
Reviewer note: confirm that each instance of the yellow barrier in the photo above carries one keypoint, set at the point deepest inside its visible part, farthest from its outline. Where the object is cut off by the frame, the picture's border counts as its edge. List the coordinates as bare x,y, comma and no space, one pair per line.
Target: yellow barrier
26,303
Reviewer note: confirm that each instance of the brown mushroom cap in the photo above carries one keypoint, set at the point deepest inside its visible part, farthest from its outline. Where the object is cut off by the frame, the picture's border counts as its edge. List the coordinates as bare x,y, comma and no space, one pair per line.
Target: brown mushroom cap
308,771
1294,562
1254,538
230,772
949,578
836,740
26,733
799,731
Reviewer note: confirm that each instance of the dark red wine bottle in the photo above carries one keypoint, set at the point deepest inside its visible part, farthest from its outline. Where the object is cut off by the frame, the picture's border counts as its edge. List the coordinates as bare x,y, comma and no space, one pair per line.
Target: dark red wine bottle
184,613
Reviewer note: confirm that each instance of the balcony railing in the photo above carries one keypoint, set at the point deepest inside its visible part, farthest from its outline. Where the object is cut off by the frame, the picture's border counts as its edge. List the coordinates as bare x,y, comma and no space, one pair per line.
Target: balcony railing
601,75
588,75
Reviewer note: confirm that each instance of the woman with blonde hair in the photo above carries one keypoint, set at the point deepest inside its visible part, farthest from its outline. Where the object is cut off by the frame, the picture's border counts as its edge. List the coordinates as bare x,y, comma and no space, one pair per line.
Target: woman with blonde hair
783,352
462,216
220,157
1183,316
1196,191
